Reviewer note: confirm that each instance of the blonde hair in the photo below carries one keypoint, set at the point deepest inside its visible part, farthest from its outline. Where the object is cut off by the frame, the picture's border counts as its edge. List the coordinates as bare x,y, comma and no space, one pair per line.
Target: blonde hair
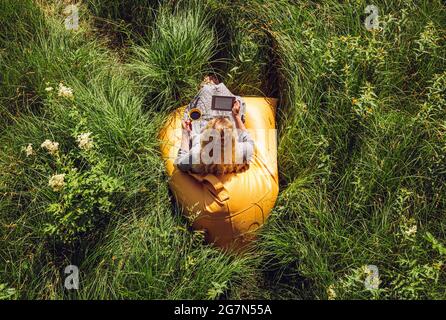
222,127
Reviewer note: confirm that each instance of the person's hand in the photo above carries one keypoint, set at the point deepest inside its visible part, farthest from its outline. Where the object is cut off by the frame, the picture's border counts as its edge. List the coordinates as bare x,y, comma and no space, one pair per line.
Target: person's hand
186,125
236,109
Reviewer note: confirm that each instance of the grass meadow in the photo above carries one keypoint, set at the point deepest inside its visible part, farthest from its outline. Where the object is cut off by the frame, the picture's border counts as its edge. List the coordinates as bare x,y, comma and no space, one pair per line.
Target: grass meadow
361,152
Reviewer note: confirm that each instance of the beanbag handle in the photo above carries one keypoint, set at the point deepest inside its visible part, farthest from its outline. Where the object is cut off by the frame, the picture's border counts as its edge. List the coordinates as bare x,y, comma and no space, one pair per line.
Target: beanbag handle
213,184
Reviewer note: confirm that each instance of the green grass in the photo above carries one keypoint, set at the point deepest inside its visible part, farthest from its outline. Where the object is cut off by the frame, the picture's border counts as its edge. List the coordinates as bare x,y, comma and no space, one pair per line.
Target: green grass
362,130
175,59
109,104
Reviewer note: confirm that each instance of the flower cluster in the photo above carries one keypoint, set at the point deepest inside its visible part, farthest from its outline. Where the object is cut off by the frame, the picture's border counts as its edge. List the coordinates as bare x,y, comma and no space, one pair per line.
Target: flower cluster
65,92
57,182
29,150
409,228
85,141
51,146
331,293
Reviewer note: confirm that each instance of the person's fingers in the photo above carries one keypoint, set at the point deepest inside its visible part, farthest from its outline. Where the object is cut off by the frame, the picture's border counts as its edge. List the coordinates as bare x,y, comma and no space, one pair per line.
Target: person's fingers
236,108
185,125
188,125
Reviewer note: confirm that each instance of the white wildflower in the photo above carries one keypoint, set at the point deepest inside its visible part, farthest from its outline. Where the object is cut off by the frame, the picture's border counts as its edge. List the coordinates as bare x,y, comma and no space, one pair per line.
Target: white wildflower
65,91
411,230
331,293
48,89
51,146
29,150
57,182
84,140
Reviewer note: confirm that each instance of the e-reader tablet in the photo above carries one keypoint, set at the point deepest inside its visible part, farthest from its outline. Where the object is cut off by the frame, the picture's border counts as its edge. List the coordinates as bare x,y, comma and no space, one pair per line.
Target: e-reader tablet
223,103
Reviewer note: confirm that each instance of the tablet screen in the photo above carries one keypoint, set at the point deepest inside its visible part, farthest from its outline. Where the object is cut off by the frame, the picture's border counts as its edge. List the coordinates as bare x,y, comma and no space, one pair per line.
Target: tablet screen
222,103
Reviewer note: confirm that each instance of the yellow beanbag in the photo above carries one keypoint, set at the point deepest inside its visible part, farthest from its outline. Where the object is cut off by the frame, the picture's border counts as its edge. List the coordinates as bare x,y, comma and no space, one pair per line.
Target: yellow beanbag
228,207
